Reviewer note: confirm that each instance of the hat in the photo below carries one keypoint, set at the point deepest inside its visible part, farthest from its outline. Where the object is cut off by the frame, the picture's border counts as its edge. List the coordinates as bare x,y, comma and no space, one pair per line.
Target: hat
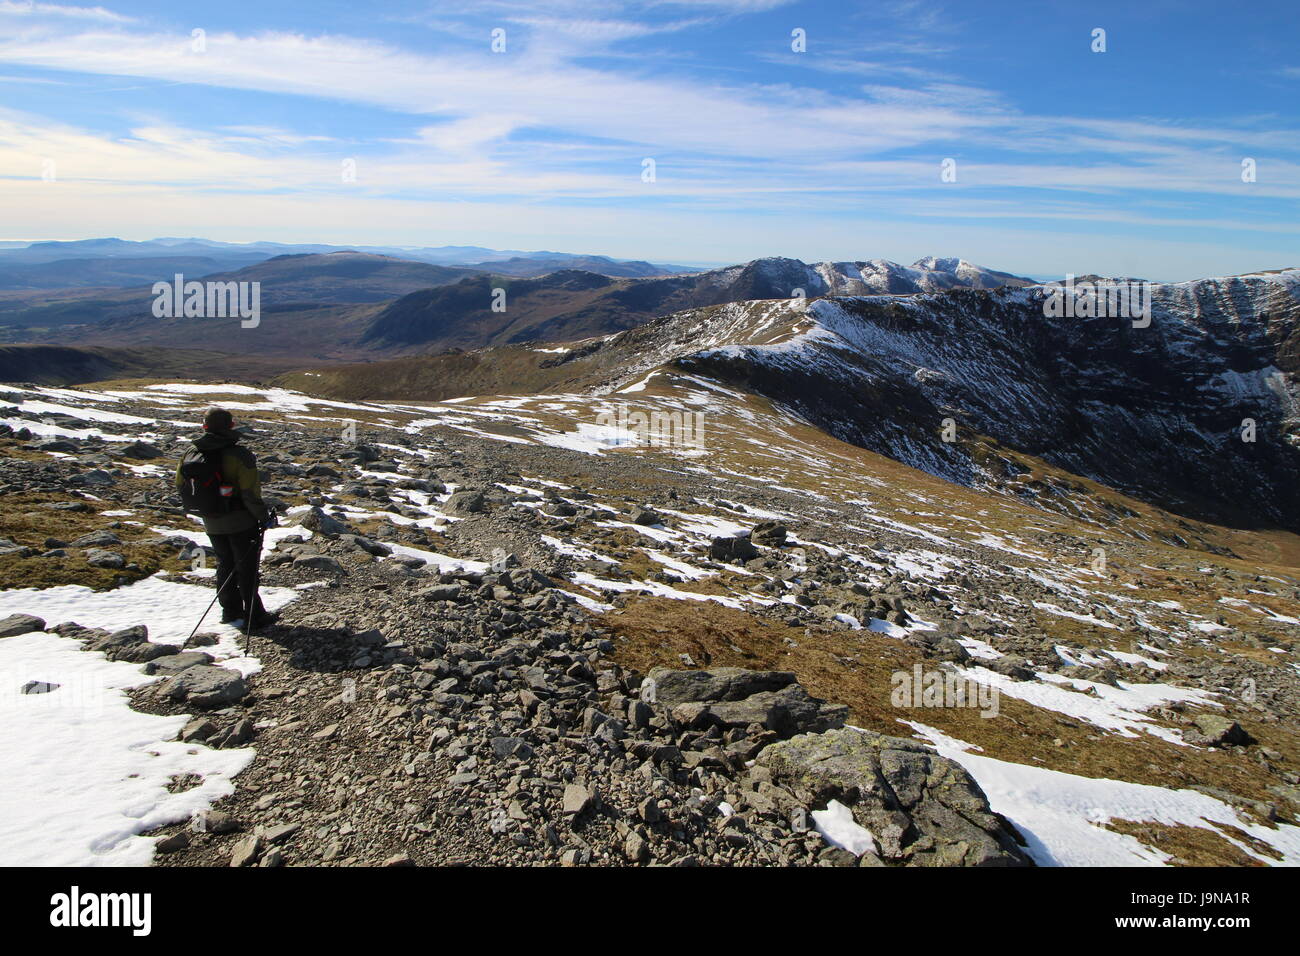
218,420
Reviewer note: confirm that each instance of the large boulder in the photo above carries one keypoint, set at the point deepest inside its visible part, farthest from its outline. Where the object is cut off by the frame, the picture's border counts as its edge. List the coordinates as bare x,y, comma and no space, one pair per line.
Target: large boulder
921,809
362,543
322,523
16,624
129,644
99,558
671,687
318,562
96,539
1215,730
732,697
645,516
205,685
732,549
467,501
769,533
141,450
8,546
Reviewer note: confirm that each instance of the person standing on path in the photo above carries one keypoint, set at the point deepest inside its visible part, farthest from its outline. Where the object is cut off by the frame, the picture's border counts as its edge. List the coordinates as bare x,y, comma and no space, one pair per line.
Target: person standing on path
217,480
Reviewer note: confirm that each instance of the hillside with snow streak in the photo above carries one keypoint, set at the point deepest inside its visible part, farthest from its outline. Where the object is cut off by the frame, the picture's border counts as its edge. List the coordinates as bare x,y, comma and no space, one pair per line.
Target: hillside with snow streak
1198,411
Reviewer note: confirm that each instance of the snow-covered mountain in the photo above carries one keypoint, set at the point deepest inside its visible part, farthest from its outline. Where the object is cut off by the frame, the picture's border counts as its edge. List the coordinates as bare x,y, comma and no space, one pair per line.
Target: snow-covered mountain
931,274
777,277
572,304
1199,410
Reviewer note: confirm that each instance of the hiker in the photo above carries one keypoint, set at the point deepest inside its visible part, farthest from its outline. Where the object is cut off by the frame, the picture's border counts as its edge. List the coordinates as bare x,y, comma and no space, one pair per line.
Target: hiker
218,481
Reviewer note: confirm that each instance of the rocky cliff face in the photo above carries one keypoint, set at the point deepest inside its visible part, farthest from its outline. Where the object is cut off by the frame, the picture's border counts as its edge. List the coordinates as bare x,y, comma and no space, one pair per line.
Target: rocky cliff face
1197,410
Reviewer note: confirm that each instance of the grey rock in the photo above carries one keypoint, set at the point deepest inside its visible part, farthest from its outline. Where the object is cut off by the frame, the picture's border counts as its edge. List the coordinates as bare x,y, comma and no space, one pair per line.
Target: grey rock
732,549
1213,730
177,662
635,848
99,558
505,747
321,523
671,687
769,533
16,624
577,800
443,592
141,450
1011,665
645,516
280,833
365,544
172,843
218,822
198,729
923,809
246,851
96,477
732,697
467,501
318,562
205,686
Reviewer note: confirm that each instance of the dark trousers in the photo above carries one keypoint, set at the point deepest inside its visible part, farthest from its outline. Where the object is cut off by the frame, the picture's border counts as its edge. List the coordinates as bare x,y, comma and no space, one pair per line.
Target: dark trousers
240,553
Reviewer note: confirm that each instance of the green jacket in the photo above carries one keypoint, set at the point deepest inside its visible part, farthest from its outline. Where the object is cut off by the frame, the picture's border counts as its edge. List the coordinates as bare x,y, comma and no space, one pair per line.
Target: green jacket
239,468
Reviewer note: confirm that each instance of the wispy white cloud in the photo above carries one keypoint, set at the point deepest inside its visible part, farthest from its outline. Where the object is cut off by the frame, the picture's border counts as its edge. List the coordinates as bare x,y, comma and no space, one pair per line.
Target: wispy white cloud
542,128
31,8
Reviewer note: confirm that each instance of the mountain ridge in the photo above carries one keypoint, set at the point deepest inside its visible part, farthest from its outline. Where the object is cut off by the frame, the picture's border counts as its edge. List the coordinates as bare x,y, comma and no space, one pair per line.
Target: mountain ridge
1148,411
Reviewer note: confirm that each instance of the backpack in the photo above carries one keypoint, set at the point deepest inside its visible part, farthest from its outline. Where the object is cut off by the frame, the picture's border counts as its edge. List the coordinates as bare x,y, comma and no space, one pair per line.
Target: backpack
204,491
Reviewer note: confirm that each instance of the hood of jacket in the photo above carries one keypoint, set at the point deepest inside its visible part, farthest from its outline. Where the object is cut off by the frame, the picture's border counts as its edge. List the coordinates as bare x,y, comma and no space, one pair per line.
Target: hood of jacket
213,440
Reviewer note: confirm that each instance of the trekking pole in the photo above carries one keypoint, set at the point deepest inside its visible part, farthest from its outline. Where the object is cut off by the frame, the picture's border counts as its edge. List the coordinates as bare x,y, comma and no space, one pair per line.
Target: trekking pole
248,611
209,607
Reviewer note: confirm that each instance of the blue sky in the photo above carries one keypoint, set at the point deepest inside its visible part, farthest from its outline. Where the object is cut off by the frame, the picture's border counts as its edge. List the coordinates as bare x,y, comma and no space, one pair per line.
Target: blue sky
1125,162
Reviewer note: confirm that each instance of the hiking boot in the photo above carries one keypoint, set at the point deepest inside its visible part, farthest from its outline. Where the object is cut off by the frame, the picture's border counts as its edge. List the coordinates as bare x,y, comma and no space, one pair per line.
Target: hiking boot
261,622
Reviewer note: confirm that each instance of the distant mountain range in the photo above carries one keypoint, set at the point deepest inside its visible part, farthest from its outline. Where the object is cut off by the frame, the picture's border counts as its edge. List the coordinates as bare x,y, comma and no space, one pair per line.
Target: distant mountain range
878,354
98,263
343,305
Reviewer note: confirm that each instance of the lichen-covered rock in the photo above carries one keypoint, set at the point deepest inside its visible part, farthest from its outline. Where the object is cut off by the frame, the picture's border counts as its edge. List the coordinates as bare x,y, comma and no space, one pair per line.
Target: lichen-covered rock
922,809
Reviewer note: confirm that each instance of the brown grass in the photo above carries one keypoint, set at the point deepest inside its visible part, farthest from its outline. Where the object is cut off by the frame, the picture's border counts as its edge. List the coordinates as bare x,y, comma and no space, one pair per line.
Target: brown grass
855,668
25,522
1192,846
